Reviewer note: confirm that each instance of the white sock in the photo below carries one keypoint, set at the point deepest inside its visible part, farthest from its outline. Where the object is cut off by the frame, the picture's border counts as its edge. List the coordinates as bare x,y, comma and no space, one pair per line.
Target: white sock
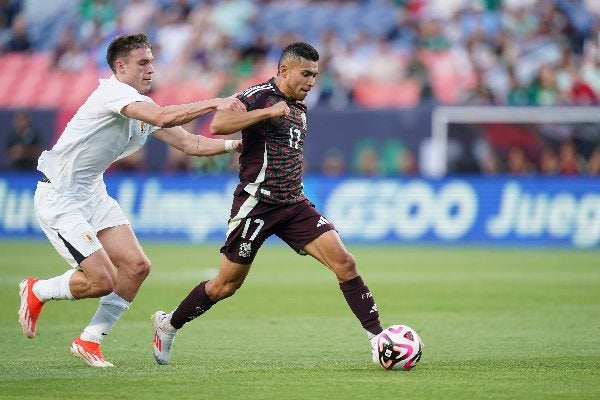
110,309
370,335
56,288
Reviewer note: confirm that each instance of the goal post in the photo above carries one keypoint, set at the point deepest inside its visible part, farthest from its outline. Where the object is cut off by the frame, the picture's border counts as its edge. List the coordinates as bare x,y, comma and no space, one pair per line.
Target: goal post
444,115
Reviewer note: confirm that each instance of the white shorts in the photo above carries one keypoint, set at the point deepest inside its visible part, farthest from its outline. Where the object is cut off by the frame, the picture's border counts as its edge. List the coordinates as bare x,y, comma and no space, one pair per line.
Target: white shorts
72,224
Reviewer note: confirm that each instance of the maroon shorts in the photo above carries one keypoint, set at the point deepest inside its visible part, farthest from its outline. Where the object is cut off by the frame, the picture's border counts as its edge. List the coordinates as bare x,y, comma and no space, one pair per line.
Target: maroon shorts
252,222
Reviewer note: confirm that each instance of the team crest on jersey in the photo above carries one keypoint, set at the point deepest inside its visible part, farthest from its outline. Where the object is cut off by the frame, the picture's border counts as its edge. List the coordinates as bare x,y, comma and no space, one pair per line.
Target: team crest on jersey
245,250
89,238
303,118
143,128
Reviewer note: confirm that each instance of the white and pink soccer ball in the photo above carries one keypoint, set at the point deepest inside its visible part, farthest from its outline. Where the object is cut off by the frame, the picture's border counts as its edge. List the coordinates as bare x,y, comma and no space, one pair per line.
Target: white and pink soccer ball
399,347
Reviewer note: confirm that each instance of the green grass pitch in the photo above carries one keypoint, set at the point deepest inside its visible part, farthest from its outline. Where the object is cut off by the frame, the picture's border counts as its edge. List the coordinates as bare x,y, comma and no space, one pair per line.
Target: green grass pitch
497,324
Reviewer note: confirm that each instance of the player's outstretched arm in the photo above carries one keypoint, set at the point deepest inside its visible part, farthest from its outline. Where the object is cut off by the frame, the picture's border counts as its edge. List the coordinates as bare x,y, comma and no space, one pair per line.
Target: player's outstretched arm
176,115
196,145
226,122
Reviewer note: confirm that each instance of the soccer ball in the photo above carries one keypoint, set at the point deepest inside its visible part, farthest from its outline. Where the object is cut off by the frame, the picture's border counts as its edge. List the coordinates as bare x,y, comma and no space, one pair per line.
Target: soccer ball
399,347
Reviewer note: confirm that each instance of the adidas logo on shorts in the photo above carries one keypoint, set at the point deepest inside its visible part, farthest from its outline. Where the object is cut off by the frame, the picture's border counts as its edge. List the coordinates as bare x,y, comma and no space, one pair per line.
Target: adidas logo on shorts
322,221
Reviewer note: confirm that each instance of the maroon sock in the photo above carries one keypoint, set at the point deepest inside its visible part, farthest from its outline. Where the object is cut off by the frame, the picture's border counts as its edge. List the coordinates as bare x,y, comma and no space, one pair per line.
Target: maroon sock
362,304
195,304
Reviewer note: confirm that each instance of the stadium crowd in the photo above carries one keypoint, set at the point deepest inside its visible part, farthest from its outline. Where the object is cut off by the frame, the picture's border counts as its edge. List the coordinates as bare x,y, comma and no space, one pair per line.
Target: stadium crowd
374,54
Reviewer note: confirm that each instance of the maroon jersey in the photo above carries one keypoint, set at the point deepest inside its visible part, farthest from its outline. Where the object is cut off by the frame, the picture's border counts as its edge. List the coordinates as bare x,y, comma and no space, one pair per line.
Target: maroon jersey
271,162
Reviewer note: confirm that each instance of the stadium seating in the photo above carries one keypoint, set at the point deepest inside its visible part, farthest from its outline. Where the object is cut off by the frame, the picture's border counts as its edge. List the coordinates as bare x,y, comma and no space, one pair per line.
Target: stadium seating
381,95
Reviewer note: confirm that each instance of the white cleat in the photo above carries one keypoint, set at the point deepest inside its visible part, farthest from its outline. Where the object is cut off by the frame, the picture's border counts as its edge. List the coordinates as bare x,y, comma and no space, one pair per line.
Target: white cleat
375,349
90,353
164,335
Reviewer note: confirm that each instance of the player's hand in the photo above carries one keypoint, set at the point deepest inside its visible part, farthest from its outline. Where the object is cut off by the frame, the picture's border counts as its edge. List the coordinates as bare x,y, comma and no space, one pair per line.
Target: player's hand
280,109
230,103
237,146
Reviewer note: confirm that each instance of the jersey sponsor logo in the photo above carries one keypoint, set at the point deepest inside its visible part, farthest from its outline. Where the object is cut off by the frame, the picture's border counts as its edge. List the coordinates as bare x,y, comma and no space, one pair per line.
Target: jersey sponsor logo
245,249
89,238
303,118
322,221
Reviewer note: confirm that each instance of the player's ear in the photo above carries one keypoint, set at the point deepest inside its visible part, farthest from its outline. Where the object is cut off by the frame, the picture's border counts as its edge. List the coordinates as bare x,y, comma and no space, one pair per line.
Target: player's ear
283,70
119,65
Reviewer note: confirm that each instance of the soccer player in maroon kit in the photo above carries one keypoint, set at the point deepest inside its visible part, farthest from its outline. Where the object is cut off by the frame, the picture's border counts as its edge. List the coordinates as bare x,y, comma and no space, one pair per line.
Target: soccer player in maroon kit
269,200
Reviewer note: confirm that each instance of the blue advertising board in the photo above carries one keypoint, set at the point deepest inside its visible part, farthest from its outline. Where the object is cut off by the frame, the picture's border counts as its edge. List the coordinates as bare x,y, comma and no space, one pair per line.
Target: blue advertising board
532,211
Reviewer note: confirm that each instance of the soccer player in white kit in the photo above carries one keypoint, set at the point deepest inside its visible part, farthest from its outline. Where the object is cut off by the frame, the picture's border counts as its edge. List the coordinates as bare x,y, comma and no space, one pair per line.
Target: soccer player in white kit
86,226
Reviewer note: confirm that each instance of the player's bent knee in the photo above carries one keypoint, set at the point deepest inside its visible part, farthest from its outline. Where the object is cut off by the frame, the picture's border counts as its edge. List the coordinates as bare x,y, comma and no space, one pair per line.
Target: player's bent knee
350,261
347,263
345,268
142,268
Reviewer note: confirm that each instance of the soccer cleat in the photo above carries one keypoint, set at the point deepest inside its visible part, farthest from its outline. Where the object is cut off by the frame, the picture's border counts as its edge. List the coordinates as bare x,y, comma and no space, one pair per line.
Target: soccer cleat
89,352
30,308
164,335
375,349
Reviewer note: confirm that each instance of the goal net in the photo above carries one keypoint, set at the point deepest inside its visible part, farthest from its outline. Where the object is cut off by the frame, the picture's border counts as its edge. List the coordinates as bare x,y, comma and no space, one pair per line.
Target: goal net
463,136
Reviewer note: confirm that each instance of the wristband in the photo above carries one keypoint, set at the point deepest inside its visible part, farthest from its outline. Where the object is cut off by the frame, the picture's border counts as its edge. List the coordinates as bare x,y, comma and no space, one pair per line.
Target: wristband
229,146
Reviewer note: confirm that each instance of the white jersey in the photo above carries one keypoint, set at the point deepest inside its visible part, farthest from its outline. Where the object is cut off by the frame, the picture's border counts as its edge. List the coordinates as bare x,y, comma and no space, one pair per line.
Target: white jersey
97,136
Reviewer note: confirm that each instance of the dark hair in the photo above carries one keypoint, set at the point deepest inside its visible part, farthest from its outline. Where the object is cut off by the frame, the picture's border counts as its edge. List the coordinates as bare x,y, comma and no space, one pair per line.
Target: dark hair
122,45
298,50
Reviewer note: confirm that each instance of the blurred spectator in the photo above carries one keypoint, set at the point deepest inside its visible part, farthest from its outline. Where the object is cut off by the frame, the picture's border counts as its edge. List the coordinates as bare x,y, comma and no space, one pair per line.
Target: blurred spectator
177,161
232,17
397,159
386,65
233,163
210,165
518,95
569,162
490,164
18,40
517,162
548,163
69,54
481,94
8,10
137,15
544,91
24,144
580,92
593,164
366,159
101,12
174,31
486,157
333,162
431,36
417,71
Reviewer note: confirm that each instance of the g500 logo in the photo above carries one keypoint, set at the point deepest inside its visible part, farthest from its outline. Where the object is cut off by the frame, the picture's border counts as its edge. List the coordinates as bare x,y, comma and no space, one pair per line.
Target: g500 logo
372,211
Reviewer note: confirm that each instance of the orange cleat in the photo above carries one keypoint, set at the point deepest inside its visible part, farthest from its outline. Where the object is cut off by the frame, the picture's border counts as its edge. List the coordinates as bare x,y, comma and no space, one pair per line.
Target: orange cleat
30,308
90,353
